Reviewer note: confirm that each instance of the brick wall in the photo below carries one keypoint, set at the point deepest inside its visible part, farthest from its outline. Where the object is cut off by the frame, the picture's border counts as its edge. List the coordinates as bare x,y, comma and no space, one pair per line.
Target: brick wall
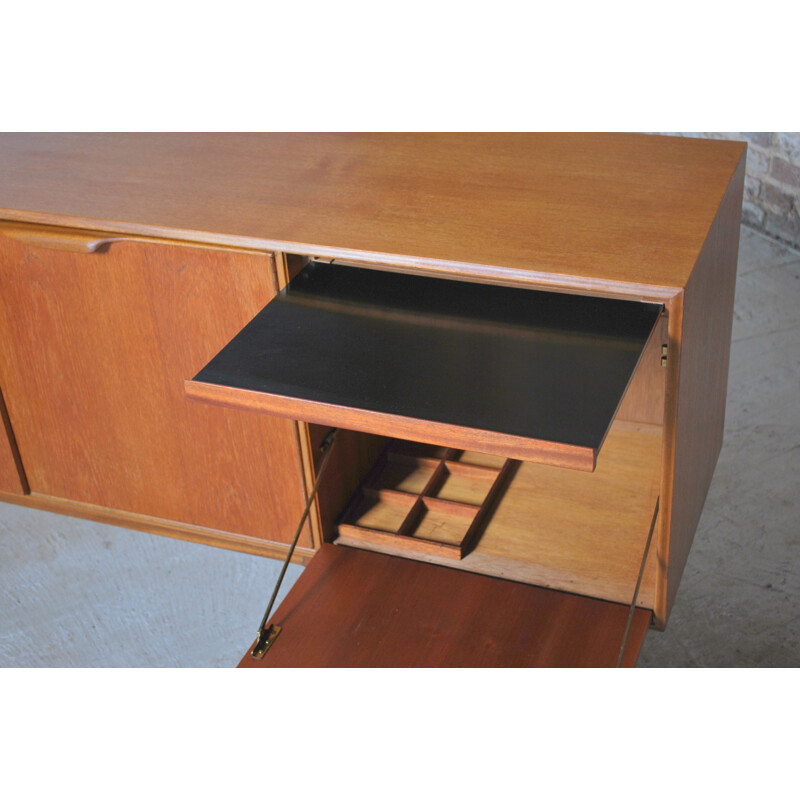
772,183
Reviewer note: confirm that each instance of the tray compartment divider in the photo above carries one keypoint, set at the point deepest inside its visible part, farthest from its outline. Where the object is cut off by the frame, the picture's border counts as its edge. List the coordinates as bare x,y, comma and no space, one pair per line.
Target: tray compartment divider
426,511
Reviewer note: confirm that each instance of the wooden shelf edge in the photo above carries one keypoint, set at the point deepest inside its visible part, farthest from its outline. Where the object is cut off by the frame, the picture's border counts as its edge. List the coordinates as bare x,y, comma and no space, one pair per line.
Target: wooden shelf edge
93,239
407,544
436,433
476,272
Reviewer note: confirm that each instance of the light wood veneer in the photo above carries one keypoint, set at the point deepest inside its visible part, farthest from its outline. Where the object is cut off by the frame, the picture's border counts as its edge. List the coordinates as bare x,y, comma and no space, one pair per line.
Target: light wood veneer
356,609
104,313
94,349
12,475
576,209
563,529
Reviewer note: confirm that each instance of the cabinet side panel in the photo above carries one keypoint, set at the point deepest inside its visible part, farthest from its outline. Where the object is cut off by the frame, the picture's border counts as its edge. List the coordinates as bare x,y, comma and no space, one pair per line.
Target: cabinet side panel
703,376
352,457
12,476
94,352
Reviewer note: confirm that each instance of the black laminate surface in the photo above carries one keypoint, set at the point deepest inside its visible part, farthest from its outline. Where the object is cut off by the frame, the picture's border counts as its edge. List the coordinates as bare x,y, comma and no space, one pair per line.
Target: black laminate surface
535,364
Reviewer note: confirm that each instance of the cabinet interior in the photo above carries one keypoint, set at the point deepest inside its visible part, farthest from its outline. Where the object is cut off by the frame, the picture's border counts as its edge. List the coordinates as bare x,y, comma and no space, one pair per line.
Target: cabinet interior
565,529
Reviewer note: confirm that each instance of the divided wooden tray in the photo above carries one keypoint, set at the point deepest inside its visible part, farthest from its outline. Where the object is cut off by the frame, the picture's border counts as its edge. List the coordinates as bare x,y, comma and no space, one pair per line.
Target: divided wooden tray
426,499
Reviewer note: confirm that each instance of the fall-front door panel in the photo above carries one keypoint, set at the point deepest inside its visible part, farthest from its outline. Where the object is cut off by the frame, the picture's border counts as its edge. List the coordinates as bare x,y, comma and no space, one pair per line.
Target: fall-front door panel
353,608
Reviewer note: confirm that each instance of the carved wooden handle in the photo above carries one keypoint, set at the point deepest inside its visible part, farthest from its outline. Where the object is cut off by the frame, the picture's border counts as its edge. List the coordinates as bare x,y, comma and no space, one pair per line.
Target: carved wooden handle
73,241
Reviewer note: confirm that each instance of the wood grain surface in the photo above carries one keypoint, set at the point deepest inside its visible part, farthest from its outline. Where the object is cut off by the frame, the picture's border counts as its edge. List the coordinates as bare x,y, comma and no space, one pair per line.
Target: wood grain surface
700,336
94,350
12,474
350,461
163,527
569,530
645,395
646,217
351,608
579,209
381,424
423,505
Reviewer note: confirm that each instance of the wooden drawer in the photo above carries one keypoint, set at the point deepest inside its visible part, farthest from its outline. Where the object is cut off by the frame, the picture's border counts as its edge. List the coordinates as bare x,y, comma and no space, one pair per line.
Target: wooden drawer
502,388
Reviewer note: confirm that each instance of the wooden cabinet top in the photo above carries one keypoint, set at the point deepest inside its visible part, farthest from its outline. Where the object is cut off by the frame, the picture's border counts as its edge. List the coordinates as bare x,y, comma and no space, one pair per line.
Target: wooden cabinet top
576,209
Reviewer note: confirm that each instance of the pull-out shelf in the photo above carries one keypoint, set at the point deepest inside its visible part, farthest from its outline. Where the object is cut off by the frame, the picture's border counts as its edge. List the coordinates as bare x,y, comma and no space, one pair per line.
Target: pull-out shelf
524,374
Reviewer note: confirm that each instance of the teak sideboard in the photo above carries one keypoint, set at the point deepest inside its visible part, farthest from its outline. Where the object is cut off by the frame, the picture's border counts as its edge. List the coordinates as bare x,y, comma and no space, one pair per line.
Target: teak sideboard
521,342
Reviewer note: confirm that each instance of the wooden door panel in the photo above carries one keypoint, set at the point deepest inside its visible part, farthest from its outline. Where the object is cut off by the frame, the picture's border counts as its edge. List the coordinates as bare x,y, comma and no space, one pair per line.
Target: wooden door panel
95,351
353,608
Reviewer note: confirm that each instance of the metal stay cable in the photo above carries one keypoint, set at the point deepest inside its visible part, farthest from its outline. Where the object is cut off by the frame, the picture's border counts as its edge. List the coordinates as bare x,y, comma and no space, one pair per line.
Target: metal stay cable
638,586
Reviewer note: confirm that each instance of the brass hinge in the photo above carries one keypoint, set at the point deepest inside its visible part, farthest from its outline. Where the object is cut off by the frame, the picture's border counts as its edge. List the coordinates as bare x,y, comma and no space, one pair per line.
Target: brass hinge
265,639
663,355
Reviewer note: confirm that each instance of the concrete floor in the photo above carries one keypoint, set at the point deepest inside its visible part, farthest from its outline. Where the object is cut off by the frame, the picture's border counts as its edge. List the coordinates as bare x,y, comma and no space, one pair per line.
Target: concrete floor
77,593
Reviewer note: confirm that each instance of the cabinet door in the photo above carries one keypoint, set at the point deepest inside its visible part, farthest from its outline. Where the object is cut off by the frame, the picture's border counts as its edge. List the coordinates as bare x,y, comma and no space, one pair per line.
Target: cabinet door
352,608
94,351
